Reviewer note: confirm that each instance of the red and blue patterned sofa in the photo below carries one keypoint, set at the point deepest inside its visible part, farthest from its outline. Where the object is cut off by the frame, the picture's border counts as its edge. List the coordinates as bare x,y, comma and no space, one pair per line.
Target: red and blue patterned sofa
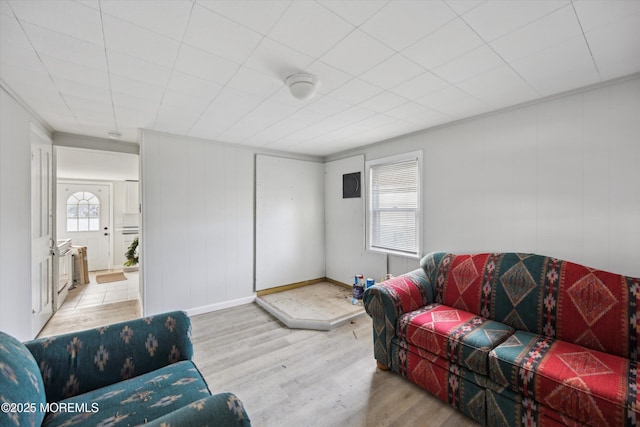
130,373
514,339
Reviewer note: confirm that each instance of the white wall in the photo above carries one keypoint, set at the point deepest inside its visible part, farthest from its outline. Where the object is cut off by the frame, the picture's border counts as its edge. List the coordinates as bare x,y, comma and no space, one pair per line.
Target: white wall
15,218
559,177
290,237
197,224
345,227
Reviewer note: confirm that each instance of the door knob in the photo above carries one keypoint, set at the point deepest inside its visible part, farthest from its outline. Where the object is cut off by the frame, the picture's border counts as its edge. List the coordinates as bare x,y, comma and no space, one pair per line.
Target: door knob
106,234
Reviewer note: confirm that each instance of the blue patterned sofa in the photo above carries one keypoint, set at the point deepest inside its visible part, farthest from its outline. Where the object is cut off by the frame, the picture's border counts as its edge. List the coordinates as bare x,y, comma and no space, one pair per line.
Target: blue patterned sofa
129,373
514,339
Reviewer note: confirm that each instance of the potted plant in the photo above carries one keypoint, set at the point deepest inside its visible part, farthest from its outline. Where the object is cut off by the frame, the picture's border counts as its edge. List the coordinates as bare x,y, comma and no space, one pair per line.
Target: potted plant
132,255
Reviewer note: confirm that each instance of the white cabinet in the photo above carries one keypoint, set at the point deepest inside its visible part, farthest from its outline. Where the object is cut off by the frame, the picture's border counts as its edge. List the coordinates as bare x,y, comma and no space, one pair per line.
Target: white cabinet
132,198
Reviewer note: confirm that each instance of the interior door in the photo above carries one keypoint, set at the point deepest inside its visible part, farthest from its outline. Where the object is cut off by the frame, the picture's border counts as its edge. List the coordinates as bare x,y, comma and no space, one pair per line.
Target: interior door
41,230
83,216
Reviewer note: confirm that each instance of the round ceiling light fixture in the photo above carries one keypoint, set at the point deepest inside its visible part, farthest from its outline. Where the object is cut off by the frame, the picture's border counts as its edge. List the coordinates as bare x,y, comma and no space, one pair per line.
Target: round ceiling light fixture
302,85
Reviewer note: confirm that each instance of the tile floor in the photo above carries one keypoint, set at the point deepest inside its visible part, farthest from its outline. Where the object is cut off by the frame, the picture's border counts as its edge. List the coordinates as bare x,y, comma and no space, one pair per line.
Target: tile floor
95,294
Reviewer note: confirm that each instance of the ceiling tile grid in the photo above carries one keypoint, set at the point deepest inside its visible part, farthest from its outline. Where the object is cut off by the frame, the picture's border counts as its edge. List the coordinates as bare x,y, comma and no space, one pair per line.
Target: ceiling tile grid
215,69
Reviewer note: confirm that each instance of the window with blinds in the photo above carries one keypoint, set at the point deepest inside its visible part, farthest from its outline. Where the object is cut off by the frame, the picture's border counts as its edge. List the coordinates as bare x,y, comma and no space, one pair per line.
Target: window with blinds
394,204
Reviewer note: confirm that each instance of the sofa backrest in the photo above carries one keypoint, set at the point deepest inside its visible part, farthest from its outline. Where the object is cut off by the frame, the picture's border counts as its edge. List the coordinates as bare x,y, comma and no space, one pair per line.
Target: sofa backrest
544,295
21,385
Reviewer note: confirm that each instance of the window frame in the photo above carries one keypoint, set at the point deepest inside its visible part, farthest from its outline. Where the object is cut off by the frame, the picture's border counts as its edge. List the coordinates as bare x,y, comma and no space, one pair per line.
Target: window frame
389,160
77,218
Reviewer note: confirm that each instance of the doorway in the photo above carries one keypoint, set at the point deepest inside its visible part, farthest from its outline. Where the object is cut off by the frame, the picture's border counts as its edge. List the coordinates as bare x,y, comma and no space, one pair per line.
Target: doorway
97,208
84,217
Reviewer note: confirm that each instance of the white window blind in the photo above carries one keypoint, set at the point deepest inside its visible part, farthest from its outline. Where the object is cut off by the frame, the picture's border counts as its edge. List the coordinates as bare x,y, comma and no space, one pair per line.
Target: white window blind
394,212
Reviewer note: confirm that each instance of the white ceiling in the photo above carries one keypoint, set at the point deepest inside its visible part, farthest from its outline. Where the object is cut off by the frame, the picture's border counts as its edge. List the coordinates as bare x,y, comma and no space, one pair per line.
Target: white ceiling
214,69
78,163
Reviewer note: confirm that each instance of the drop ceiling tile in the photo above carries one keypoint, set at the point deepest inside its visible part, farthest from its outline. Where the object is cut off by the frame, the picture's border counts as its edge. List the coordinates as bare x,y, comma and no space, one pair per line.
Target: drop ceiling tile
70,71
443,99
468,65
295,122
94,4
403,22
330,78
383,102
392,72
257,15
174,119
187,103
4,8
88,104
65,47
448,42
420,86
357,53
500,87
130,118
15,47
463,6
351,116
355,12
327,105
192,86
139,42
309,28
62,16
412,112
34,86
136,88
355,91
554,28
263,116
275,59
599,13
616,47
81,90
88,118
239,101
204,65
134,68
254,82
494,19
229,107
559,68
218,35
168,18
124,100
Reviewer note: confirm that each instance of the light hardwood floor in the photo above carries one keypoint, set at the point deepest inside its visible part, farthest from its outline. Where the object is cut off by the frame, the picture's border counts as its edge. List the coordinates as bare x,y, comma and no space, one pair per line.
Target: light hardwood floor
294,377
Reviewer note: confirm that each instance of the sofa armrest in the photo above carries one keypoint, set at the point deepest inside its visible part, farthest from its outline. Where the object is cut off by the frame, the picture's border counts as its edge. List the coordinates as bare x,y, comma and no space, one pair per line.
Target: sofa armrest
79,362
222,409
387,301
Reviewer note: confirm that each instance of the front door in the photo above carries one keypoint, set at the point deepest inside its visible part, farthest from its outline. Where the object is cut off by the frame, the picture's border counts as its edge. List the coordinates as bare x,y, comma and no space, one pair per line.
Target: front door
83,216
41,231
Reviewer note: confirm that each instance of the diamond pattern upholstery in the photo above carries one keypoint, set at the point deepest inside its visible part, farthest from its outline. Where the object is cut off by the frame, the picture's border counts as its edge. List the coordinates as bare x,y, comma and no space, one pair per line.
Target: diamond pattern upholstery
545,341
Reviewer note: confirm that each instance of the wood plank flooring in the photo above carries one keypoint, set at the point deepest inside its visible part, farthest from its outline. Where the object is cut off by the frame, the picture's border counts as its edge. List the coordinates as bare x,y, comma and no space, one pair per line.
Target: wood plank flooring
294,377
78,319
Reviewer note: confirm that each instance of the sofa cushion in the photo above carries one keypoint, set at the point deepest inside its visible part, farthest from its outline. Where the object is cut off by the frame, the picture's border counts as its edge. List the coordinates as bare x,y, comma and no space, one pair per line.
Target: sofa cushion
134,401
20,384
543,295
456,335
593,387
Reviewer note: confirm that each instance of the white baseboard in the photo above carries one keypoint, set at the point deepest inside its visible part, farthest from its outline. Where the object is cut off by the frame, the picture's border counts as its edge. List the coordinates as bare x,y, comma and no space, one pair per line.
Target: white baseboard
220,306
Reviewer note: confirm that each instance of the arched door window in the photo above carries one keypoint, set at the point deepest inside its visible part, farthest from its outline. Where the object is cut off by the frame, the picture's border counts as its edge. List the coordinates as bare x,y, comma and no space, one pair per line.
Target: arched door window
83,212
